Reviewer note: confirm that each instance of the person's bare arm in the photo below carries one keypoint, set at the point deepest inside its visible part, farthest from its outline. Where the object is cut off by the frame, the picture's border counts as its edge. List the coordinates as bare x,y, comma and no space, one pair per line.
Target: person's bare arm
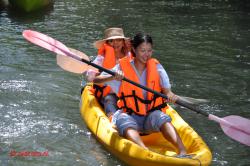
105,78
171,96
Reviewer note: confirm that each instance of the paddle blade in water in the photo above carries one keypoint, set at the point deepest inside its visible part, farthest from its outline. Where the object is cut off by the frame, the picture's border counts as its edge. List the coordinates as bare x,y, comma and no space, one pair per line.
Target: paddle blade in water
236,127
45,41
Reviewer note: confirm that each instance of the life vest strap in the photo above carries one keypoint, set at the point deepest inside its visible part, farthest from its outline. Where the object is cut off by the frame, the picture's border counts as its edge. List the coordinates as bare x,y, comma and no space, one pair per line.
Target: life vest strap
136,102
159,107
136,98
98,89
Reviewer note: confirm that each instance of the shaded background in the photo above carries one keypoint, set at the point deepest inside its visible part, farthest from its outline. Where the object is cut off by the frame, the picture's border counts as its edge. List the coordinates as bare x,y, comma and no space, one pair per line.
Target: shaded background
203,45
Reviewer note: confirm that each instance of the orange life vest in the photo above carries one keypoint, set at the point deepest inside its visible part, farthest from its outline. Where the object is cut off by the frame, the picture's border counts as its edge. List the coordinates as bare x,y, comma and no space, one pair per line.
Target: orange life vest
109,62
108,53
131,96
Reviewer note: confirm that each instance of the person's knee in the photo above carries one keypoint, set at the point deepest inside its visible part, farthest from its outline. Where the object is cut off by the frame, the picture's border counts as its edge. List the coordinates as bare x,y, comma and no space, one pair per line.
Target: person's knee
131,132
122,118
157,119
165,125
124,122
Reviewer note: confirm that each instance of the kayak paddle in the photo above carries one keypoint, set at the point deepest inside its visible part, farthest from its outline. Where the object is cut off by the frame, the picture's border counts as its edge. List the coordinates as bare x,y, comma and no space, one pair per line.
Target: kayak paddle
73,65
236,127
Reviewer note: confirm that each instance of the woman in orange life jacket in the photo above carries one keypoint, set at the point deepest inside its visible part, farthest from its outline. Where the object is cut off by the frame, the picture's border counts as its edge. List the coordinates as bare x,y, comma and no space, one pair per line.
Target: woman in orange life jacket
141,110
113,47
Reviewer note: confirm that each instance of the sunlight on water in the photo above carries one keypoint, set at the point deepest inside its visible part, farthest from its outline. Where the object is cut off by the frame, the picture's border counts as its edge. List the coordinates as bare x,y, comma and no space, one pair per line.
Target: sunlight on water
15,85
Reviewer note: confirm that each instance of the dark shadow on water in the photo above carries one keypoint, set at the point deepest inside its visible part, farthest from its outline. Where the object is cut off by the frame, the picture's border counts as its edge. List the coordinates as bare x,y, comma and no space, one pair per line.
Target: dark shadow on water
3,5
28,17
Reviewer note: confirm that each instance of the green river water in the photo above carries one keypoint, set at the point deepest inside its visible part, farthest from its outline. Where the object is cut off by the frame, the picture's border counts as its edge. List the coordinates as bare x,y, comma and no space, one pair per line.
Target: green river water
203,45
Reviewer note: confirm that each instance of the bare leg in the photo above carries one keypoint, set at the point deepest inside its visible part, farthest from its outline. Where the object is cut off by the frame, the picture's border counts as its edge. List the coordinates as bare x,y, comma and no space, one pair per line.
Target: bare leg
134,136
170,134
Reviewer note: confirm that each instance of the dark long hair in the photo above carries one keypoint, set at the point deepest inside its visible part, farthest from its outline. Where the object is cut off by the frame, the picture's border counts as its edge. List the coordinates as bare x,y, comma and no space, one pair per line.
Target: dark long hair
140,38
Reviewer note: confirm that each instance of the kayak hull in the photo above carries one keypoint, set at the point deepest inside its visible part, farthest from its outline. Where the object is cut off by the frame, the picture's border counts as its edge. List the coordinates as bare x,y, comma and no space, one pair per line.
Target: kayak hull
29,5
160,153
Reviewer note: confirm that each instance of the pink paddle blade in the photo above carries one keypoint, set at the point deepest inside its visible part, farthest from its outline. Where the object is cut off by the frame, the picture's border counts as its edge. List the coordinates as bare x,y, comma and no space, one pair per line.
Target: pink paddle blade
68,59
240,122
73,65
236,127
45,41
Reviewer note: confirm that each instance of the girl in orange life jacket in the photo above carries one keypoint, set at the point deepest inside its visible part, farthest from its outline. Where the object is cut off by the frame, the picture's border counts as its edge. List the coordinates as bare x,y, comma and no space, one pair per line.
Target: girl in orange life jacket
141,109
110,49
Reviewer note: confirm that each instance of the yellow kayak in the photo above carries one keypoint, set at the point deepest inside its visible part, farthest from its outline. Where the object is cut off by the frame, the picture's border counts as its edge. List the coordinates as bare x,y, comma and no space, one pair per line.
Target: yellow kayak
160,153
